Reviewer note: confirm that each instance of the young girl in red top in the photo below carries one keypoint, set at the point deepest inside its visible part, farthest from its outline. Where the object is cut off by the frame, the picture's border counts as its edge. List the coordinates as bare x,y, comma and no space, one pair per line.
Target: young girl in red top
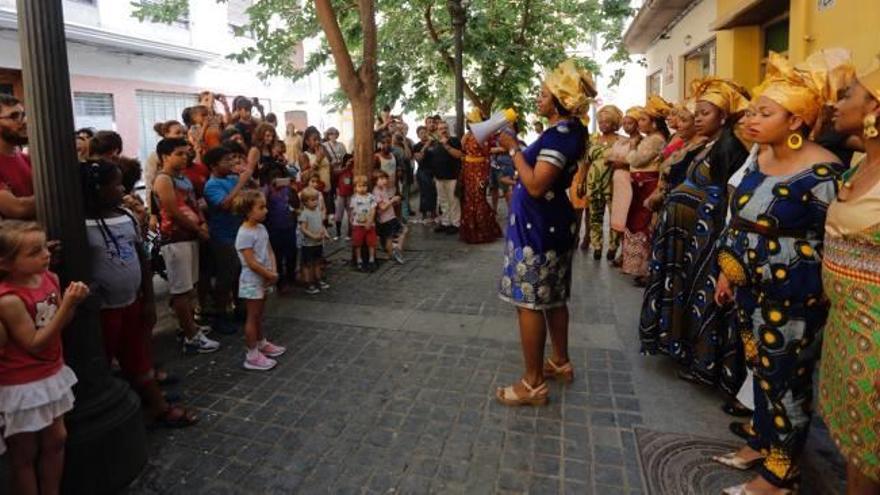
35,384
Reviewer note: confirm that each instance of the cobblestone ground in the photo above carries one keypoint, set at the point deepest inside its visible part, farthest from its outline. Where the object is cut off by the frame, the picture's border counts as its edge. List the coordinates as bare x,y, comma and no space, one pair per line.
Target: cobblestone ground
387,388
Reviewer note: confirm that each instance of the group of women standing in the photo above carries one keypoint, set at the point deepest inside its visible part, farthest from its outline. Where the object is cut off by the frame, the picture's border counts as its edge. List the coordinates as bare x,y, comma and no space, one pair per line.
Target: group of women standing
766,255
759,249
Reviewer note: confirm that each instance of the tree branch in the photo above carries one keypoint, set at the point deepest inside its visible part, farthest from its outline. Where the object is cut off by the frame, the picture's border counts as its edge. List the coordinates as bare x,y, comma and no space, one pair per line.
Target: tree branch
448,60
348,77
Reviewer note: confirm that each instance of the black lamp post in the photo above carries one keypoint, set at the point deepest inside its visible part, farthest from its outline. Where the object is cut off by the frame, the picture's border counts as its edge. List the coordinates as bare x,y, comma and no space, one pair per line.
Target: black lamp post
106,445
457,10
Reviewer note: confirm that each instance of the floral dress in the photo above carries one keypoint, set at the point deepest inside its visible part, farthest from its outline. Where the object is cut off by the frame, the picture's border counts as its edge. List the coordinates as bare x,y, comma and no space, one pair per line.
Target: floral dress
771,251
849,378
599,192
478,223
644,163
540,232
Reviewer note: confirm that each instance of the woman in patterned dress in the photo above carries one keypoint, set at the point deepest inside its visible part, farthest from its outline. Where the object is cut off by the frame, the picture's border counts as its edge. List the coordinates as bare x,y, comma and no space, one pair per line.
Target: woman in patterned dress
599,173
540,234
679,317
478,224
849,378
644,165
770,259
621,182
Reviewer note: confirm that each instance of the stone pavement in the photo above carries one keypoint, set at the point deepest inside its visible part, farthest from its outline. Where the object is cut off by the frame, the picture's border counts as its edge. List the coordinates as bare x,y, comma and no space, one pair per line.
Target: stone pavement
388,384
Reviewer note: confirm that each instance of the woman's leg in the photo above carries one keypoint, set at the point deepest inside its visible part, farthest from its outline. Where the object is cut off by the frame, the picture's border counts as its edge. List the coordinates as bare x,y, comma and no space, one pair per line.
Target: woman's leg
51,464
532,333
859,484
23,450
557,322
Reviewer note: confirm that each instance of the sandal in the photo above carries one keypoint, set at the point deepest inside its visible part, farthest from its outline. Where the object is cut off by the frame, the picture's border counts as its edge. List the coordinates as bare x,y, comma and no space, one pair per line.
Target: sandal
742,430
564,373
736,410
177,417
733,461
536,396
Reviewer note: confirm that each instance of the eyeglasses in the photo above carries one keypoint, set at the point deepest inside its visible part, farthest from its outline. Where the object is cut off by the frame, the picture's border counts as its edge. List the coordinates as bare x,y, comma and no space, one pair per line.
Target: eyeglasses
15,116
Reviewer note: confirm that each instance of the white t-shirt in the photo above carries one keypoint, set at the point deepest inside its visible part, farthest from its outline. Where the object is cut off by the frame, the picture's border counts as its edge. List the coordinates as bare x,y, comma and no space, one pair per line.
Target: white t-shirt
257,239
361,205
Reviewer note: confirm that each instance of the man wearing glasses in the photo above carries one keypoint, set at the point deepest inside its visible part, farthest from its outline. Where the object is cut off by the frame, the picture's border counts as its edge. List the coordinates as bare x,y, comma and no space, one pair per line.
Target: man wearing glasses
16,177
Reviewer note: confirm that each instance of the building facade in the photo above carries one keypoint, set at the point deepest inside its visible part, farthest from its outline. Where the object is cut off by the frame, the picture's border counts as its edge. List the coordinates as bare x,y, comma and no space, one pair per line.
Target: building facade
126,75
683,40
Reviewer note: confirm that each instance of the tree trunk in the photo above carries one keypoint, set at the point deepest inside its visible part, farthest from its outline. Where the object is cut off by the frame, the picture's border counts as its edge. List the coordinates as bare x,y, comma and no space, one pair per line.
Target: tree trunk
362,112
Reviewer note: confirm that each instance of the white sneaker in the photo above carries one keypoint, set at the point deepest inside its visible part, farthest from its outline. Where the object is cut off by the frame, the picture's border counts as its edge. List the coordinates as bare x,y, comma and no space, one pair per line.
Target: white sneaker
257,361
200,344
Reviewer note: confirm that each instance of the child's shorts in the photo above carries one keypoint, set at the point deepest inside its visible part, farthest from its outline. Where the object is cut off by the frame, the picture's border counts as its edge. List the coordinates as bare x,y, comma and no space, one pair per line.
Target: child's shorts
361,235
182,264
127,339
312,254
253,291
390,229
46,400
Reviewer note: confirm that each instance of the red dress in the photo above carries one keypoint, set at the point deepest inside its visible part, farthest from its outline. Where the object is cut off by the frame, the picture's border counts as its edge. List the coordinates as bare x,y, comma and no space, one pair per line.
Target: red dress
478,223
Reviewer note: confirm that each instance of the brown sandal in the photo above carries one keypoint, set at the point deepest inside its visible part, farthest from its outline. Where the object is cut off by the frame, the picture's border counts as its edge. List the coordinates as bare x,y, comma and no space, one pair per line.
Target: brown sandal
536,396
564,373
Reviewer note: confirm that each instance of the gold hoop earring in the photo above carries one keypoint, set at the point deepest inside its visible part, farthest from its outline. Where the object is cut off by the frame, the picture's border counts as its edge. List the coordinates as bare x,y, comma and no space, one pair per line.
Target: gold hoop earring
795,141
870,126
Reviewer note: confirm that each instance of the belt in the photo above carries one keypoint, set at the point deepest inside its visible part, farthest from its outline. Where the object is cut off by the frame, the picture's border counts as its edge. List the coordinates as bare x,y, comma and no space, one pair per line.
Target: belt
767,231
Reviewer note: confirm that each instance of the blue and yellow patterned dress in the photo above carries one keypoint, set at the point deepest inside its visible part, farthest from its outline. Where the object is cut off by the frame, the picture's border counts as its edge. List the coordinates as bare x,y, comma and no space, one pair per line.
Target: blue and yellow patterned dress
771,251
540,232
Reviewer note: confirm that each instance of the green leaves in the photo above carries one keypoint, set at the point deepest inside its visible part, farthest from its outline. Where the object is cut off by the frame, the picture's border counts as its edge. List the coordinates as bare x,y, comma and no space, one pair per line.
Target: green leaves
508,43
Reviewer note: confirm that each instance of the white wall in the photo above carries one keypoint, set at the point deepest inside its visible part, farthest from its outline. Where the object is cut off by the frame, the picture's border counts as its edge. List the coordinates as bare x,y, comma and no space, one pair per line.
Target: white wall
696,25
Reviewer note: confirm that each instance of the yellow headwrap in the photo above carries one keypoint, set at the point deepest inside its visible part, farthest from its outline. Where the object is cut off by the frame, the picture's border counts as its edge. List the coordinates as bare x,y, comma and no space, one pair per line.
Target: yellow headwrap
723,93
613,113
831,70
572,86
870,78
657,107
795,90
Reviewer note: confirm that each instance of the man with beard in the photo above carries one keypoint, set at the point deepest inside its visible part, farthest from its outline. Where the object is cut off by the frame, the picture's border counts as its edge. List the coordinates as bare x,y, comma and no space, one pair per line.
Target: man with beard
16,176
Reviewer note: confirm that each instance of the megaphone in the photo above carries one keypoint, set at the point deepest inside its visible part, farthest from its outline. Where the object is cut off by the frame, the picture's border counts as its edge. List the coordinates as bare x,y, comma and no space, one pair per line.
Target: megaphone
499,120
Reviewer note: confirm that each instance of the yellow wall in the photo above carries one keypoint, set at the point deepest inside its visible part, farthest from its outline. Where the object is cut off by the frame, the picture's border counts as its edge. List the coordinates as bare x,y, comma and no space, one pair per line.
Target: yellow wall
852,24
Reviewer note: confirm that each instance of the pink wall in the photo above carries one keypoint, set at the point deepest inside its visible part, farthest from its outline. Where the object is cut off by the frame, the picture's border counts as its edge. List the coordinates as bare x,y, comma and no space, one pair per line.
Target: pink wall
125,103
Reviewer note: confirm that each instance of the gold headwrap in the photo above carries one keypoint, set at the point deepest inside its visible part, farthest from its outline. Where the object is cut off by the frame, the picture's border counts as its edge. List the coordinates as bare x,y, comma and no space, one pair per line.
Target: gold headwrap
795,90
572,86
613,112
635,112
725,94
870,78
687,106
657,107
474,116
831,70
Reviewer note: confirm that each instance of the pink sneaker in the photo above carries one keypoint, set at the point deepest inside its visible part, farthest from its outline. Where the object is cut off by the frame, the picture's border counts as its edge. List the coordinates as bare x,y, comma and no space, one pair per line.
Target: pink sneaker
269,349
258,362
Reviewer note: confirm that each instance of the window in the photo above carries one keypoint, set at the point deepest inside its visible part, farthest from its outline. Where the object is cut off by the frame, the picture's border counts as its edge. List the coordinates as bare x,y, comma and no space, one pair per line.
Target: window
156,106
93,110
237,17
654,81
775,36
698,64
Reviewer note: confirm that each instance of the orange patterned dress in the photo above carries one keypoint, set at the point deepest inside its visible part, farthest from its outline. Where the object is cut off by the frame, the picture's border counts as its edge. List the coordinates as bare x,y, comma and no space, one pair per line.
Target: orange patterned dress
478,223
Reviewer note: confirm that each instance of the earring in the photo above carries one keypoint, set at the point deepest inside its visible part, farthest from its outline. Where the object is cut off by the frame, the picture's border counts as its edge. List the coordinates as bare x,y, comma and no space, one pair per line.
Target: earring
870,126
795,141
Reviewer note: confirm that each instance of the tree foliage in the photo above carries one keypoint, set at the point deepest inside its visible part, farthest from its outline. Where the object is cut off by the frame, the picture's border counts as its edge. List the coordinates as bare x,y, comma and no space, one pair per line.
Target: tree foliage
507,44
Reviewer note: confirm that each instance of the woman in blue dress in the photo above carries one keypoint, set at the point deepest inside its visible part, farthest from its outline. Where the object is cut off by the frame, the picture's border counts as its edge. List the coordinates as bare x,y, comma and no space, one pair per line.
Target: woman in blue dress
540,232
770,257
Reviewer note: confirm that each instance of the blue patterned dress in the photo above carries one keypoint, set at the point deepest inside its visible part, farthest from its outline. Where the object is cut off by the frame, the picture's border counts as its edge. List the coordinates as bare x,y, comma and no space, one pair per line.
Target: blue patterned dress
772,252
540,232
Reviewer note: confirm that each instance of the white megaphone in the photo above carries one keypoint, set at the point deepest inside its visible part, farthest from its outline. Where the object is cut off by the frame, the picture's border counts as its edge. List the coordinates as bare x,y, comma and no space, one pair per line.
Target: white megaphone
499,120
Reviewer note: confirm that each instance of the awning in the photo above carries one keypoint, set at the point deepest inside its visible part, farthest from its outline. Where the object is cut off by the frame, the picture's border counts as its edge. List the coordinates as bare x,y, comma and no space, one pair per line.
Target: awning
750,12
653,18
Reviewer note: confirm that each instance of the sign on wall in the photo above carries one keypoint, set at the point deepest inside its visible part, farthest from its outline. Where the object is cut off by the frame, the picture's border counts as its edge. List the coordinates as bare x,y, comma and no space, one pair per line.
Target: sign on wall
668,77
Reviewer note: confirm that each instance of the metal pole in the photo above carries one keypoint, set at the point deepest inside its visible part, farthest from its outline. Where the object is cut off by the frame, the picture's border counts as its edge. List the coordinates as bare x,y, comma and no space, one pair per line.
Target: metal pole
106,445
457,13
